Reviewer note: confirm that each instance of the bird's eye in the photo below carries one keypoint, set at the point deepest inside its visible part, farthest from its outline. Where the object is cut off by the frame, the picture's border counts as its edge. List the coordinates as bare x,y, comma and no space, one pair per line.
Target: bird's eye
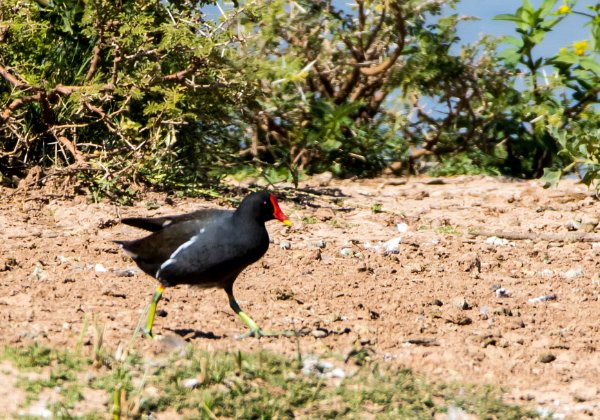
265,202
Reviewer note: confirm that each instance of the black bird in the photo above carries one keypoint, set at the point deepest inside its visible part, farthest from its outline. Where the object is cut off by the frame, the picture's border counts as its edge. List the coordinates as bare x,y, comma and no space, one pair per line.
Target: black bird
206,248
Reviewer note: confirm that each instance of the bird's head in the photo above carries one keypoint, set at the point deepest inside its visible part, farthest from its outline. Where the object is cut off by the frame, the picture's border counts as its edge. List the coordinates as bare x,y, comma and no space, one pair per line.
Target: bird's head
264,205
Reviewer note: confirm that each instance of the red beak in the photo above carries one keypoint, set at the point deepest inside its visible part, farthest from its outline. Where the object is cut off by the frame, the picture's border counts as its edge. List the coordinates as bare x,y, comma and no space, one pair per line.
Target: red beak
278,214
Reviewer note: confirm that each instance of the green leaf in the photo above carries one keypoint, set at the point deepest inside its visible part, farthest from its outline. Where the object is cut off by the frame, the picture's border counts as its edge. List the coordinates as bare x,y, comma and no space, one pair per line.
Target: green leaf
527,7
510,18
510,56
537,36
517,42
551,22
528,14
330,145
589,64
551,177
559,136
546,7
567,58
591,175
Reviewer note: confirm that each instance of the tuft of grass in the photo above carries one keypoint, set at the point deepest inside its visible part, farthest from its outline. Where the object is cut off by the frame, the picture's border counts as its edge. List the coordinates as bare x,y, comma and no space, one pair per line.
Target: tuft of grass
30,357
340,224
247,385
52,369
448,230
377,208
309,220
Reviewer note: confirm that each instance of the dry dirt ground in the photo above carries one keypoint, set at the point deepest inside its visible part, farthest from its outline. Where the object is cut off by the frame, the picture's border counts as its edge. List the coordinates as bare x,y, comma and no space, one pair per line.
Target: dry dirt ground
433,307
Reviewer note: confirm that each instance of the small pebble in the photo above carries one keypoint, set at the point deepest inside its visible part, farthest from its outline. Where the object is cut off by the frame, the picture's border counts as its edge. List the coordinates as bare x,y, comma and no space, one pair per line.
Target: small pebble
190,383
99,268
502,293
130,272
285,244
337,373
462,320
573,273
588,223
416,268
461,303
320,243
346,252
402,227
495,241
543,298
39,274
392,246
572,225
547,358
320,333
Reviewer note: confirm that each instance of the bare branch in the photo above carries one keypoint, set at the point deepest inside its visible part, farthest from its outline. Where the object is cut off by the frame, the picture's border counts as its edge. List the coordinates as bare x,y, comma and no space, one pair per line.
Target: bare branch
10,78
94,62
375,31
372,71
79,159
16,104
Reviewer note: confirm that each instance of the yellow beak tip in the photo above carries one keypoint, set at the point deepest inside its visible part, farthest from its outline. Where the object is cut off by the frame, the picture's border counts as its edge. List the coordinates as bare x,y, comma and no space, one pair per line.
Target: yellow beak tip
287,222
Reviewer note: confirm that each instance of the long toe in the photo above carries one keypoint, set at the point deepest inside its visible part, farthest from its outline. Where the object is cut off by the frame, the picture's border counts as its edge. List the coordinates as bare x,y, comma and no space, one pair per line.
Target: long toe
147,334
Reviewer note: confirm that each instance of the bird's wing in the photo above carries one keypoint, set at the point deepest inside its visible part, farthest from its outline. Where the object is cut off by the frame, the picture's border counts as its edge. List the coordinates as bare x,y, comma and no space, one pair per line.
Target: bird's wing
214,255
155,224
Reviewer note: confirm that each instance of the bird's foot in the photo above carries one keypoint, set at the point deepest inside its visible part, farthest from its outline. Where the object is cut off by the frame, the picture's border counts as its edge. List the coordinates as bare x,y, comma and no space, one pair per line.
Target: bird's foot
148,334
259,332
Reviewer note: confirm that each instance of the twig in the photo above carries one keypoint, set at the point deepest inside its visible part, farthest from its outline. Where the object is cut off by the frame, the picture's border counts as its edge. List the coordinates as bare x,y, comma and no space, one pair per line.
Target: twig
537,236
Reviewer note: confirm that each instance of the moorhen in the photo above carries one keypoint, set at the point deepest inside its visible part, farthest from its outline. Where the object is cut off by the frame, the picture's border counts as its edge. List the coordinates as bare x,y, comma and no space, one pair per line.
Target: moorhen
206,248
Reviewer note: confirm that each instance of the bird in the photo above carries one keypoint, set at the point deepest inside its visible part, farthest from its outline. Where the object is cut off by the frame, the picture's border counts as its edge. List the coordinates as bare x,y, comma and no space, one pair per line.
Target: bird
206,248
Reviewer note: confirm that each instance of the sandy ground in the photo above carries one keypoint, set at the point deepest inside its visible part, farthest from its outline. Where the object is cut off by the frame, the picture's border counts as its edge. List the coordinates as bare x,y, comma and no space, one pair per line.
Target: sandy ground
448,304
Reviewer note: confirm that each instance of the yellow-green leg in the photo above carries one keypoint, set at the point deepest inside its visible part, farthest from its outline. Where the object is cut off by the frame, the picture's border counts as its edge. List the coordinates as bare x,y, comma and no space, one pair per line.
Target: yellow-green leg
152,311
255,330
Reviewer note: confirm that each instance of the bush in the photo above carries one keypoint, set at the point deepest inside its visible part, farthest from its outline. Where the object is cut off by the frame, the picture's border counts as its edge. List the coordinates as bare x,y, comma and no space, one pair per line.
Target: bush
121,93
129,94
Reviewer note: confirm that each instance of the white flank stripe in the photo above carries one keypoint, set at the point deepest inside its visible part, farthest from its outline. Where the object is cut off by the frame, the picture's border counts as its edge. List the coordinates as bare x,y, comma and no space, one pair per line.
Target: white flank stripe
166,263
173,257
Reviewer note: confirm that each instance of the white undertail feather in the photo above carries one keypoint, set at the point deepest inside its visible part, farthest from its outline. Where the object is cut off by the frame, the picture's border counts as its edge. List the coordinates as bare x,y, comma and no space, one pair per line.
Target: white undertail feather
127,252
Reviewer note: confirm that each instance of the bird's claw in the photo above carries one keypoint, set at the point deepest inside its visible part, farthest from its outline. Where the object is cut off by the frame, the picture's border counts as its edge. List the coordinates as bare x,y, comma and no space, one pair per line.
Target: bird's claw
147,334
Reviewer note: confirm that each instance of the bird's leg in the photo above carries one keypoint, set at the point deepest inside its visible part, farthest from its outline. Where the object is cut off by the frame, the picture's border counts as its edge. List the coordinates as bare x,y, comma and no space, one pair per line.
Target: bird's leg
147,331
255,330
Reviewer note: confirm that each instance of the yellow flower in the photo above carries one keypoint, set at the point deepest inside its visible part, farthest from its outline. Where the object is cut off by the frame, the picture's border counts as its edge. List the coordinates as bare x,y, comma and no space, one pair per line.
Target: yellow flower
580,47
563,10
555,120
563,50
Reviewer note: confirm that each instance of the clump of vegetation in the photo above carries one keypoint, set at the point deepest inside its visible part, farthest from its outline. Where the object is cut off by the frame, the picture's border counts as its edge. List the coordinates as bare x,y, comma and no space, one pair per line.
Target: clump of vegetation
555,124
121,94
377,208
244,385
125,95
